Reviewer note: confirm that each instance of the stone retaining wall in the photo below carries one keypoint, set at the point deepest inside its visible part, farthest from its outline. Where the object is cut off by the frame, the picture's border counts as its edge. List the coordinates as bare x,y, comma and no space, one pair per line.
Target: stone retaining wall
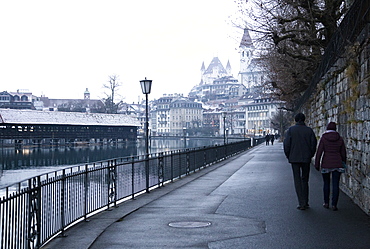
343,96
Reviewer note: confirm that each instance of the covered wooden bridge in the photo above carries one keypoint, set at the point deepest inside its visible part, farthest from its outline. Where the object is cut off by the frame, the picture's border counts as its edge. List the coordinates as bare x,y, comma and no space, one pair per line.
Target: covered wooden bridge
45,127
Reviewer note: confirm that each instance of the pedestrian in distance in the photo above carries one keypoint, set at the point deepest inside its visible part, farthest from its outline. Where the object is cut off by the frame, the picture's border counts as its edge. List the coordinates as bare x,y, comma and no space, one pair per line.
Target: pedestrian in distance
299,147
331,157
267,137
272,138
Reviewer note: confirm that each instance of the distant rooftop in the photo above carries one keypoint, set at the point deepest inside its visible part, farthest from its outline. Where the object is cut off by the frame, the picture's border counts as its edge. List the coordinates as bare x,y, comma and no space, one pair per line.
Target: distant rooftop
12,116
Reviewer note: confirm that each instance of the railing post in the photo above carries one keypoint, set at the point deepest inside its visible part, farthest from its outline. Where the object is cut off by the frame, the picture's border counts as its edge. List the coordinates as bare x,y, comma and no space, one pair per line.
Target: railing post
179,153
132,178
86,191
195,154
147,172
226,155
112,181
204,157
34,212
160,169
62,203
187,163
171,166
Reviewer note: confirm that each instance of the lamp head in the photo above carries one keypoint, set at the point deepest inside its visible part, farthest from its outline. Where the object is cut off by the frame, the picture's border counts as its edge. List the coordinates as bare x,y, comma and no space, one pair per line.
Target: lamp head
146,86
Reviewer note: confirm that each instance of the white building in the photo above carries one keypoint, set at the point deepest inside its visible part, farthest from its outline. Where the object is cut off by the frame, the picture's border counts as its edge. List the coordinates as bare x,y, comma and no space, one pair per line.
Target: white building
173,112
258,116
184,114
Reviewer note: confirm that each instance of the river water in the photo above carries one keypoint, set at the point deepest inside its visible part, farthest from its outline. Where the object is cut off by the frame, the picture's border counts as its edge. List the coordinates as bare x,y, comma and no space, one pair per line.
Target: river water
18,164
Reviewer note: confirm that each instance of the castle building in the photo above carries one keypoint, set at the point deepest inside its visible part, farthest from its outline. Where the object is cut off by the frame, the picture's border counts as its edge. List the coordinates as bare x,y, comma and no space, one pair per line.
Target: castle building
217,82
214,71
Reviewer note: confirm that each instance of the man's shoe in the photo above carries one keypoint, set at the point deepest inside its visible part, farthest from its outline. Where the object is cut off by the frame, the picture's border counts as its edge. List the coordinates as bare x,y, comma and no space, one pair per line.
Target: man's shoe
335,208
325,205
301,207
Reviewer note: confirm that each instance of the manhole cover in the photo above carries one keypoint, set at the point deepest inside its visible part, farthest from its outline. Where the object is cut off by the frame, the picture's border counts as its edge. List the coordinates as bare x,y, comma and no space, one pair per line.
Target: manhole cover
190,224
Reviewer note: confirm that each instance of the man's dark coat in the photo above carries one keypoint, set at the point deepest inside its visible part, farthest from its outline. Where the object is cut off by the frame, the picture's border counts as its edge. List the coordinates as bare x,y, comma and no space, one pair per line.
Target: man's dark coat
300,143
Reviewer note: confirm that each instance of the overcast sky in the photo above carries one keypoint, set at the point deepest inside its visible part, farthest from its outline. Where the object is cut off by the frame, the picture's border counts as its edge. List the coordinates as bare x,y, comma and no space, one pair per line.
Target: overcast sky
60,48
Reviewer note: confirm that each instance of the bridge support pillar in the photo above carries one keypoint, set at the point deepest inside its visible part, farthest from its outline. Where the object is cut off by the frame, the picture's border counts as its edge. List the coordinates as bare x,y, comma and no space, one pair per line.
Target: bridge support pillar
54,141
18,143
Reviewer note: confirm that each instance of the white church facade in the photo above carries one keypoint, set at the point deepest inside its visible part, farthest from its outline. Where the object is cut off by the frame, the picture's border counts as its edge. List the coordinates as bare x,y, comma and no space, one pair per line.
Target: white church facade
259,108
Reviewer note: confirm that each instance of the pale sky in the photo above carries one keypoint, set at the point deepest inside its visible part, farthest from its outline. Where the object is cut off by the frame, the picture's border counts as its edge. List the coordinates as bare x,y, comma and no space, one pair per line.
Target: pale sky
60,48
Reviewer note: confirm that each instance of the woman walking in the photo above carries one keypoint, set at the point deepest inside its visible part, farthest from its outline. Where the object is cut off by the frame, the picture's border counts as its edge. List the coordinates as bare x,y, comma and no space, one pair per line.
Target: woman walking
333,152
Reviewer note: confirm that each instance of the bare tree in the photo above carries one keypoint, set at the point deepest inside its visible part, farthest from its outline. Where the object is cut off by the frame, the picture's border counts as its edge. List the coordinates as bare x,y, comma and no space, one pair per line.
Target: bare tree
113,86
281,121
294,34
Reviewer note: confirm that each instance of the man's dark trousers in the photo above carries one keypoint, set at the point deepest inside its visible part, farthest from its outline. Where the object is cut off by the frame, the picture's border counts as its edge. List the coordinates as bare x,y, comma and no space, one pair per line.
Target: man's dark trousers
301,172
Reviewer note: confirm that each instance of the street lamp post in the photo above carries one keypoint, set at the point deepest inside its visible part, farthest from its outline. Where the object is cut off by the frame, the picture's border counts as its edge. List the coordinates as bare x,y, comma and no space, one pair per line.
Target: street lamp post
224,118
146,86
227,135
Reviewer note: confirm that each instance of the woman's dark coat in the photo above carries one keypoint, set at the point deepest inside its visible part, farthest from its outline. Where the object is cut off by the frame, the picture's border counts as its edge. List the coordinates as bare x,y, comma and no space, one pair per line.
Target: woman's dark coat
332,149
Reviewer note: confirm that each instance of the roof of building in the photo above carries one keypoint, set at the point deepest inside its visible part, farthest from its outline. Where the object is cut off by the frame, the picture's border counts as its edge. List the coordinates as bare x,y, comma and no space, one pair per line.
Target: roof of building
65,118
228,64
4,93
226,80
58,102
215,63
203,67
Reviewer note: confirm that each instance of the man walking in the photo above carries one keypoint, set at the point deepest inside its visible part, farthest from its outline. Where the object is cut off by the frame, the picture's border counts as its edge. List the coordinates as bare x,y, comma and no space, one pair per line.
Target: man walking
299,147
267,138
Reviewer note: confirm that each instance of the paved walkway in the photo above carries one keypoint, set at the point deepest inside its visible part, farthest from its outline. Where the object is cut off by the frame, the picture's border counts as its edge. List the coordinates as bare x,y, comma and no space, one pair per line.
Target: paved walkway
247,201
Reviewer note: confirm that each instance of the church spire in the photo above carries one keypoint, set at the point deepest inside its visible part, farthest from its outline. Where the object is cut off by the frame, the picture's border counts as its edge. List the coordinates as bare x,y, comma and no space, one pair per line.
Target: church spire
246,40
246,49
228,68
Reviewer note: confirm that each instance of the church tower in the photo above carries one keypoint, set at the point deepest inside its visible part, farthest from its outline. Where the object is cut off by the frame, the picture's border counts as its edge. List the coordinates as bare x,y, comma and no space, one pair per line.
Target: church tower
246,50
202,70
87,94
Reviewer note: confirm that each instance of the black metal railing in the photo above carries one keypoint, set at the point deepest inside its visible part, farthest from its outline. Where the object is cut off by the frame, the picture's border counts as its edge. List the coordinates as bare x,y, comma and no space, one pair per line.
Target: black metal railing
35,210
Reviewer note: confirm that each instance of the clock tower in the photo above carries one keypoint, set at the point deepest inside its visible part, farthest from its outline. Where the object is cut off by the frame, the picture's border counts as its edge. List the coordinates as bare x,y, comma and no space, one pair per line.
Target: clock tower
246,50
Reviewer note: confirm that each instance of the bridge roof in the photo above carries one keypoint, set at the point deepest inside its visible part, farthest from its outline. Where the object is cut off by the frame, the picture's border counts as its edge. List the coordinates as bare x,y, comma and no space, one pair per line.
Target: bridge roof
13,116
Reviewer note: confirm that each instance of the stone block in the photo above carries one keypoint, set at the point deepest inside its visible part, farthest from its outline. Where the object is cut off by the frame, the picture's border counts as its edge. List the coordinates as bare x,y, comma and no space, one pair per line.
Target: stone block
366,204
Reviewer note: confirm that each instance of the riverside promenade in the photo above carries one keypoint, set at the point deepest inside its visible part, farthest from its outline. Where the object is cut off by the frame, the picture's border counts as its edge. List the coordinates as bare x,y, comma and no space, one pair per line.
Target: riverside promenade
247,201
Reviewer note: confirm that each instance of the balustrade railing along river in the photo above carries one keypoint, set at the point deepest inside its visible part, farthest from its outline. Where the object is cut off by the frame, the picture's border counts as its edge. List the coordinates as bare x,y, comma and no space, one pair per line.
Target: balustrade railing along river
35,210
21,162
